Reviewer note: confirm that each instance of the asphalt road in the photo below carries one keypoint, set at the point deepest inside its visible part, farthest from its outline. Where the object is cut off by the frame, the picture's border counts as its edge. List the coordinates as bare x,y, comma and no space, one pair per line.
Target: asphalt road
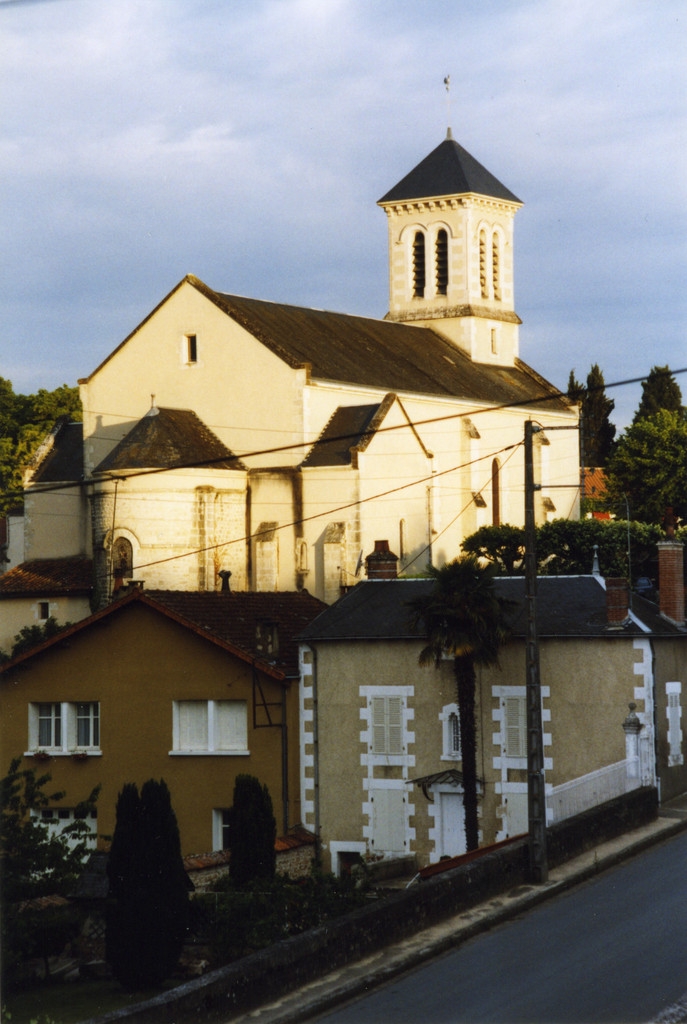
610,950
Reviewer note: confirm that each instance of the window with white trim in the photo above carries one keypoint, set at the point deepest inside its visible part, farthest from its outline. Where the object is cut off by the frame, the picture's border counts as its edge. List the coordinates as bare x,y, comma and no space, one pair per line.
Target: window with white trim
674,714
450,720
64,727
210,727
387,725
220,828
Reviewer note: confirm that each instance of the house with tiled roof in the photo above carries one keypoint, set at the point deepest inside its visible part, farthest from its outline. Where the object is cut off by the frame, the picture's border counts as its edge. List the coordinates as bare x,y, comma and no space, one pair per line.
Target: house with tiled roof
381,766
192,688
228,434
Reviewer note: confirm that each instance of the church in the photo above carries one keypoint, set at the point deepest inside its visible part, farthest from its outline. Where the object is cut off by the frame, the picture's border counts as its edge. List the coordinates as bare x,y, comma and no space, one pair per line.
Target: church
231,442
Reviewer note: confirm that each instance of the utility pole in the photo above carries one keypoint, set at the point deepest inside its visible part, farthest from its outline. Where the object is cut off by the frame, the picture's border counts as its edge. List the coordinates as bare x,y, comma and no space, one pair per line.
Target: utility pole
536,790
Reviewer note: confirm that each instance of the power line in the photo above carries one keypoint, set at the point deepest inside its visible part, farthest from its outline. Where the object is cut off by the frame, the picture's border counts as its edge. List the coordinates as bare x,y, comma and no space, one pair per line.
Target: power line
555,396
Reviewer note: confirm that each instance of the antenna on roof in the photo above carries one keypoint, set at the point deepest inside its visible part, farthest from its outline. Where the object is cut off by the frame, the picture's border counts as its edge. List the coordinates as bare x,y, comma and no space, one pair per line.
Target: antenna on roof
447,83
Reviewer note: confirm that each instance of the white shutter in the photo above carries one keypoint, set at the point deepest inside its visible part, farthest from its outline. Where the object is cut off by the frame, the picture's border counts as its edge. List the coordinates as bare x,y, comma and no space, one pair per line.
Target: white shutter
674,712
515,726
388,820
193,725
379,725
395,725
231,725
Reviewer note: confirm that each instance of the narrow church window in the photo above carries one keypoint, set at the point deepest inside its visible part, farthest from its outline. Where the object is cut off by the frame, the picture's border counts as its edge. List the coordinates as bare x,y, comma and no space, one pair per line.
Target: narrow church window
419,265
495,493
442,262
496,266
191,348
122,559
402,538
494,342
483,264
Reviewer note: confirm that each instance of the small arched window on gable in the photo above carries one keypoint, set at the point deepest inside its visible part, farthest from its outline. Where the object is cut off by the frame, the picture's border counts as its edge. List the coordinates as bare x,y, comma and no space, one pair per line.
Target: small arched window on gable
495,493
483,283
122,561
496,265
419,265
442,262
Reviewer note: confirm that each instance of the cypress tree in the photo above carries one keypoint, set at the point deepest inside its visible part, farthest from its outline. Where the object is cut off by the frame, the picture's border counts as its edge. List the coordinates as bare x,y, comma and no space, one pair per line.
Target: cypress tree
148,911
659,391
252,832
597,430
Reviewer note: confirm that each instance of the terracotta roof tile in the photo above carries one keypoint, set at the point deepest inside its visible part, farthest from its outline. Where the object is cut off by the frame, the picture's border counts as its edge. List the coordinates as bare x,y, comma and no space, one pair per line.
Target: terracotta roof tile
49,577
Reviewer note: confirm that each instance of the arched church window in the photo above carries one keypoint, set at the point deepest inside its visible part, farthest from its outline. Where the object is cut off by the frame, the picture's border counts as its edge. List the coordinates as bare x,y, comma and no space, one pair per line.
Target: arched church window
495,493
442,262
496,265
419,264
483,284
122,559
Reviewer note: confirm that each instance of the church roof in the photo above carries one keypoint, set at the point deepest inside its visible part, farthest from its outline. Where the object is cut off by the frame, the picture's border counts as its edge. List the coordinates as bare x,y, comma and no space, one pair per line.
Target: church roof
346,428
382,354
167,439
449,170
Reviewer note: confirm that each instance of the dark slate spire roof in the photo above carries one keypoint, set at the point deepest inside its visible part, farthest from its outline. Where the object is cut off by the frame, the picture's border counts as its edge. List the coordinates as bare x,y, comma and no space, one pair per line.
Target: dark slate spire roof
449,170
167,439
61,458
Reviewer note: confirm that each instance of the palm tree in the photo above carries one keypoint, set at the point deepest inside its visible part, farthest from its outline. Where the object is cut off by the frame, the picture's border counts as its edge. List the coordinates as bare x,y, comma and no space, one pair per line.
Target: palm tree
463,617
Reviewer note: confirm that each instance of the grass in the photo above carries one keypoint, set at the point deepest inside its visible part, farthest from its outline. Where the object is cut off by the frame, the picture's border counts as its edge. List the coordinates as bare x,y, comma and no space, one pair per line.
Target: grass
70,1002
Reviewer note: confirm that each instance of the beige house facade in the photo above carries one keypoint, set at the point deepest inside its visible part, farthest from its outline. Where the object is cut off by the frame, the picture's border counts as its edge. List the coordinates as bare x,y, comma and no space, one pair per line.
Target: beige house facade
192,688
380,744
276,443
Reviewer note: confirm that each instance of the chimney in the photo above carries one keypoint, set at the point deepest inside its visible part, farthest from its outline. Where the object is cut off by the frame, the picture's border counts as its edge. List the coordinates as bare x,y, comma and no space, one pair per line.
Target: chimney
382,564
671,581
225,576
617,601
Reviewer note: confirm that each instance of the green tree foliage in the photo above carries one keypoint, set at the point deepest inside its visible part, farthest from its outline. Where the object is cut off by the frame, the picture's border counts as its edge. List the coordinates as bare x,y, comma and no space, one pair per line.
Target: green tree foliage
649,467
464,618
252,832
24,422
659,391
32,636
148,910
36,862
595,408
502,545
566,547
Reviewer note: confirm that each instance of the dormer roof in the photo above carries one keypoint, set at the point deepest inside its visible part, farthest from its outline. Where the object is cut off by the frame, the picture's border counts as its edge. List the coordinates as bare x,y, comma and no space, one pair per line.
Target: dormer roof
449,170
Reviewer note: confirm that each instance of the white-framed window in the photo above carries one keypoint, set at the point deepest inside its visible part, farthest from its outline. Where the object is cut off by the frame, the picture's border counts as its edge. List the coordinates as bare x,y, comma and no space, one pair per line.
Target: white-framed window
220,828
450,720
64,727
209,727
674,714
387,725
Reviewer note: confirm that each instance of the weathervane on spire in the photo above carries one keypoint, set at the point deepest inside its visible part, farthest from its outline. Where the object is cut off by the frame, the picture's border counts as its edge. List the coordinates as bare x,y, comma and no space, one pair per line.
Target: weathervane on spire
447,83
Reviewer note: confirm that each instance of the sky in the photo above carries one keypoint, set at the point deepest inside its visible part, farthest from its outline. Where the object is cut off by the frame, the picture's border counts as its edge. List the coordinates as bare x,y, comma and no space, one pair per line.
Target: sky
247,142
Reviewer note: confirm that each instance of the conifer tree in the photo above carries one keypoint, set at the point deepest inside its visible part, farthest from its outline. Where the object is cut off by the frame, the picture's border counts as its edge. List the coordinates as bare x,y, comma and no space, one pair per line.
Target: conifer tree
659,391
148,912
252,832
597,430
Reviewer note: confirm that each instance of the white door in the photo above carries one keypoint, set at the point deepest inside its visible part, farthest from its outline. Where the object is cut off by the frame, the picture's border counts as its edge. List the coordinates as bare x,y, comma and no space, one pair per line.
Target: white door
452,827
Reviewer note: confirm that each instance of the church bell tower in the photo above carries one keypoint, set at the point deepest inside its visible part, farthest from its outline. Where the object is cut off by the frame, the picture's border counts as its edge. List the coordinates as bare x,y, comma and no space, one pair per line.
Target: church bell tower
451,253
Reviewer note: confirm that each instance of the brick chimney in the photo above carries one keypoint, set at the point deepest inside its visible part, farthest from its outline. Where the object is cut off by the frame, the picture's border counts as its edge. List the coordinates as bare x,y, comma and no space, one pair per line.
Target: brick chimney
617,601
671,581
382,564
